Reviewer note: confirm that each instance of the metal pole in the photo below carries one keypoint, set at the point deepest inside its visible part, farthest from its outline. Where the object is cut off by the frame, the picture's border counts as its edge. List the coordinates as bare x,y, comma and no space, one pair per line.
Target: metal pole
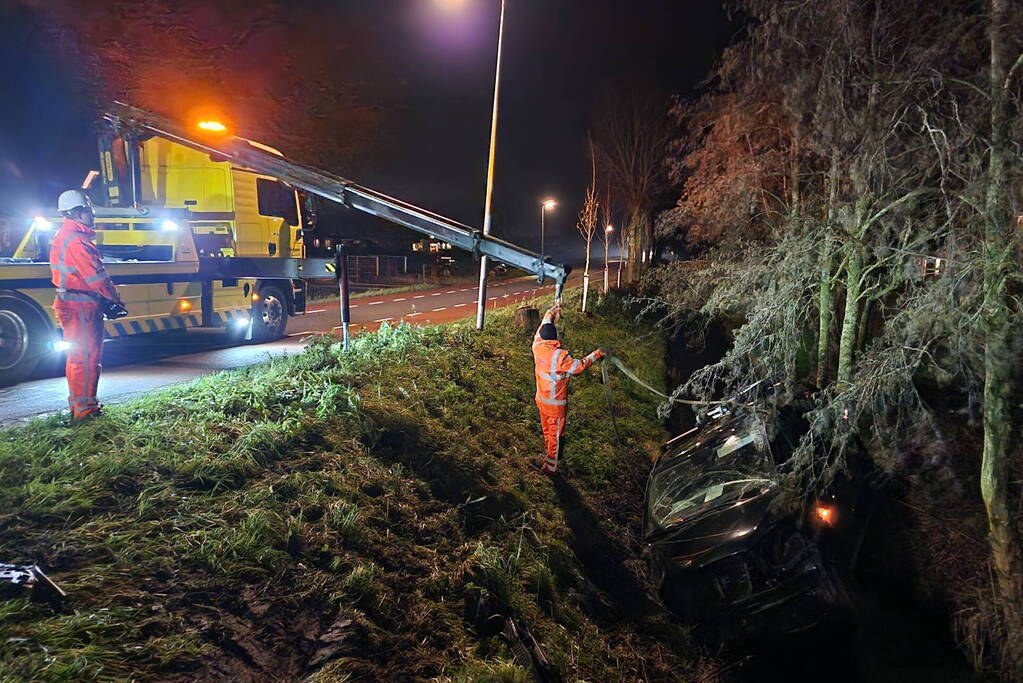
607,239
481,302
543,212
341,268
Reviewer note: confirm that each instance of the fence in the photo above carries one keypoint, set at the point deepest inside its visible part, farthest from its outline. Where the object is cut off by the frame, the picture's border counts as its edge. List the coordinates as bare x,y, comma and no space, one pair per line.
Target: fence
376,268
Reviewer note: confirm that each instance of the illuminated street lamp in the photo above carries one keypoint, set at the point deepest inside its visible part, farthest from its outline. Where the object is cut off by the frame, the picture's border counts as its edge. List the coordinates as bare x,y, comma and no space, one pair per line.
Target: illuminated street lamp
607,241
545,206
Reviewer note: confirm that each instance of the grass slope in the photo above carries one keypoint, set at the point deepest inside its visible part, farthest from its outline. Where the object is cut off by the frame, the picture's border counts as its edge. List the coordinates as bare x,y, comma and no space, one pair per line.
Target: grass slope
338,517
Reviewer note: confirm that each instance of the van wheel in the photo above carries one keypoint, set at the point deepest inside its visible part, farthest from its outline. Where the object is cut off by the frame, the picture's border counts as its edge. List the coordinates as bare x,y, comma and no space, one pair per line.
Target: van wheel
24,342
269,315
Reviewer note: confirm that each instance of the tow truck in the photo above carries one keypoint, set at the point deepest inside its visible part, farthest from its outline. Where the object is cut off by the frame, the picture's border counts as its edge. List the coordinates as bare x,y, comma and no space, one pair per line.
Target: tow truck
202,228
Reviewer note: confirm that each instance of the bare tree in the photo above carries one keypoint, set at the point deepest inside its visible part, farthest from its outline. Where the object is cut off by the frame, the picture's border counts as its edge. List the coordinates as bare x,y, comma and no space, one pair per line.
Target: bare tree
587,223
631,133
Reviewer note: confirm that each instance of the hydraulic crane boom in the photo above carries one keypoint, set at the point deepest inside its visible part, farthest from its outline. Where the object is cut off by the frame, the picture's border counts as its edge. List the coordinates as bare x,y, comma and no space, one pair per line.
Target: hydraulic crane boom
242,152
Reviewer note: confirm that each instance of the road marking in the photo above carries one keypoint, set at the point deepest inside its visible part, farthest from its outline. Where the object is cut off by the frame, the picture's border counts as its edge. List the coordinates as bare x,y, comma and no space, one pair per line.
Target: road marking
436,293
453,291
459,305
354,306
464,290
412,315
493,298
382,320
442,308
401,299
375,303
318,310
421,296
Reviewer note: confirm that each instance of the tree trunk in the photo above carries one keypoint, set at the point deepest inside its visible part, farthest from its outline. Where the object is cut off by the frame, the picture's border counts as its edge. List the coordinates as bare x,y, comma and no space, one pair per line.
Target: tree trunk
998,361
527,318
824,318
850,318
586,276
824,302
639,245
861,328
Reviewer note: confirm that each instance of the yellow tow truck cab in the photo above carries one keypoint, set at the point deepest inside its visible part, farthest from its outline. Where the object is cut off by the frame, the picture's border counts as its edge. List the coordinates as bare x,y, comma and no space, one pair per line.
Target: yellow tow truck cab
171,222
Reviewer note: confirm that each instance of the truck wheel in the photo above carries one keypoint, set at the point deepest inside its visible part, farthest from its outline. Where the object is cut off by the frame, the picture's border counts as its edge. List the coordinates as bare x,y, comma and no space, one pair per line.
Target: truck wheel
269,315
24,342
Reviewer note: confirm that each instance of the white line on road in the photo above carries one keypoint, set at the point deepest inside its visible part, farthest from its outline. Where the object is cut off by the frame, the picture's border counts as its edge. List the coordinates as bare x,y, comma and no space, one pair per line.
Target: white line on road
382,320
492,298
453,291
442,308
401,299
421,296
318,310
354,306
412,315
375,303
458,305
436,293
464,290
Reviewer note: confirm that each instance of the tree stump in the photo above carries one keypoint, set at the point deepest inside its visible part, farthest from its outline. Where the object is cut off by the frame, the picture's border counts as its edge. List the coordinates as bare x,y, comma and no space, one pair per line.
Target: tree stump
527,318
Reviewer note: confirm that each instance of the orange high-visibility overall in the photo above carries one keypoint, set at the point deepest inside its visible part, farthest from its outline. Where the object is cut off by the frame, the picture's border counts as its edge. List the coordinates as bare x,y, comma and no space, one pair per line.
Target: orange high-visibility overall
81,282
554,367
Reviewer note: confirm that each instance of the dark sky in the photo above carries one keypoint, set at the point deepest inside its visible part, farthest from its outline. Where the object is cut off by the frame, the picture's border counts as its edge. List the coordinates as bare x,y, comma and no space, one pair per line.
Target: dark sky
559,57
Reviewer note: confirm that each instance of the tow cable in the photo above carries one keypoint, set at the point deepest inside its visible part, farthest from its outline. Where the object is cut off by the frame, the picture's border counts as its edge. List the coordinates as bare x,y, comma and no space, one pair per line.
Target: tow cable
635,378
605,376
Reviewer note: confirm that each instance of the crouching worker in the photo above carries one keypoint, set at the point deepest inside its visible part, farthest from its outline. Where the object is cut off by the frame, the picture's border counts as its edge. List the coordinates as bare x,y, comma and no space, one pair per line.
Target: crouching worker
554,368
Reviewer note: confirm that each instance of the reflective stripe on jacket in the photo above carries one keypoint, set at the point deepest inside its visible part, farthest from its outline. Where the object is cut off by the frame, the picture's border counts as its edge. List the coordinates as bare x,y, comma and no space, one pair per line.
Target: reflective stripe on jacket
554,367
75,263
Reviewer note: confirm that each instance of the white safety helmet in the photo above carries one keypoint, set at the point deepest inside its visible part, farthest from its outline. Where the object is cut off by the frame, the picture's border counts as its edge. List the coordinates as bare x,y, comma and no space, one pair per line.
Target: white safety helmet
72,199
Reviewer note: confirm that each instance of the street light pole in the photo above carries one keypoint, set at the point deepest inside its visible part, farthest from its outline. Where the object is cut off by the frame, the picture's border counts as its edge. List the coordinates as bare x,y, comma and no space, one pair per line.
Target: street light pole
481,303
545,205
543,212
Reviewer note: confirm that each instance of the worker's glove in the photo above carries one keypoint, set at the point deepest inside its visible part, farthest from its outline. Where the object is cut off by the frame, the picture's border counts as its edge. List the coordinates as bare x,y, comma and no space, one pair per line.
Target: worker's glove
112,310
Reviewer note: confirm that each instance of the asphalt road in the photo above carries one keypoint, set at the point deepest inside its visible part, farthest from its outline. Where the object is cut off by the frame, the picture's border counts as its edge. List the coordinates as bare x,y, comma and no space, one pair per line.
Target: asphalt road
136,365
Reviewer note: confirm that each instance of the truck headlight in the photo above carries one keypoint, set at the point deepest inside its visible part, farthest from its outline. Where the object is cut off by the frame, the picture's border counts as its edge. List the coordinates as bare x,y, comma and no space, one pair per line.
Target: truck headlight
169,226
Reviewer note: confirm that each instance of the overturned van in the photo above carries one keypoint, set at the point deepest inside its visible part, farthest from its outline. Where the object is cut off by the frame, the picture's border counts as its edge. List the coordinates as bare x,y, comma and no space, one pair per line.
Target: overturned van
725,556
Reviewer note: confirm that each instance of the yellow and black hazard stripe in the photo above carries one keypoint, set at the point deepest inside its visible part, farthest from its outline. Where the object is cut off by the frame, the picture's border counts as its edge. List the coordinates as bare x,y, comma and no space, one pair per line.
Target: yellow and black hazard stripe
224,318
127,328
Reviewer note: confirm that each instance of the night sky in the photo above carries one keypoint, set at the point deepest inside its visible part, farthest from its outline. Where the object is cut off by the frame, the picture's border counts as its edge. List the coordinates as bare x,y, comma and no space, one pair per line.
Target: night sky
559,57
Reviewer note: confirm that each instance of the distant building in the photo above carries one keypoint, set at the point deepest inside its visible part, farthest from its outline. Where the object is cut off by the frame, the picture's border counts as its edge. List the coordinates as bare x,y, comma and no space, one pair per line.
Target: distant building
428,246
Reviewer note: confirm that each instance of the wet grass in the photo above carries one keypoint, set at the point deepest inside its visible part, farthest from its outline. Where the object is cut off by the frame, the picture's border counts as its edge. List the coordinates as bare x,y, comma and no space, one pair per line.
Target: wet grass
364,515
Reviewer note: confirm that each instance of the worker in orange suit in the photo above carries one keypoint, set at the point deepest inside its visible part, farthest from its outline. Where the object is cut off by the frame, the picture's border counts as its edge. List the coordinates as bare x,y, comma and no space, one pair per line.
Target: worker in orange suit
82,286
555,366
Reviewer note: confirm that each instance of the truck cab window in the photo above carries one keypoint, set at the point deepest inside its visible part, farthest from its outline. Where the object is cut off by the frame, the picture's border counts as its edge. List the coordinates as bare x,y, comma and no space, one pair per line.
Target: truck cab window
277,199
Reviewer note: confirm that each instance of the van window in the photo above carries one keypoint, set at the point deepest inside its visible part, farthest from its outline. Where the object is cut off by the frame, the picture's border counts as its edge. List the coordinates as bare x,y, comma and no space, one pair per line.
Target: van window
276,199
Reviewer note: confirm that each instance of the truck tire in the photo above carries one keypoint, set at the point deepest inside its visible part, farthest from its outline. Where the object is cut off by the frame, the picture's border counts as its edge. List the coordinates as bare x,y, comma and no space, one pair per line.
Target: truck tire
269,315
24,341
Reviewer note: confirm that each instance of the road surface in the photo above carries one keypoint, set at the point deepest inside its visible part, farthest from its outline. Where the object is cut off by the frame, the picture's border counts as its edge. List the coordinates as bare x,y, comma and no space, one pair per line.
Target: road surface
136,365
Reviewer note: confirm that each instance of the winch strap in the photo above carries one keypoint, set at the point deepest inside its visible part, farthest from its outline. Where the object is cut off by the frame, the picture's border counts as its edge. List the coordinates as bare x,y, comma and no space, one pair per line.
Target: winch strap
670,399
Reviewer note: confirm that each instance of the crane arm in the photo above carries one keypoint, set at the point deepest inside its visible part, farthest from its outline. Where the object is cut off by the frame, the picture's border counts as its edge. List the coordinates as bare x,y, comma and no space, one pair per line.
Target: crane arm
128,119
